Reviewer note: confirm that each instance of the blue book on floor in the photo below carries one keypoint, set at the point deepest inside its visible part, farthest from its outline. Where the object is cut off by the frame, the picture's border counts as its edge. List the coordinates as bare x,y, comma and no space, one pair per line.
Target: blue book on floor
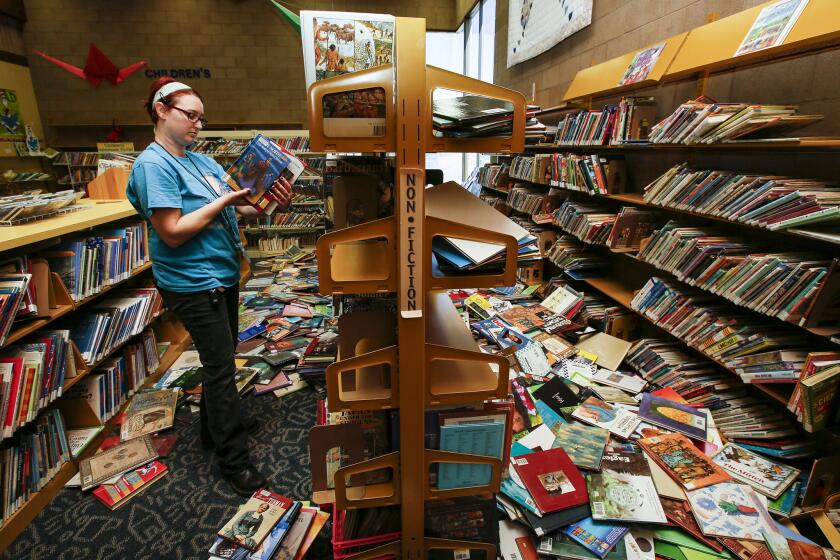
476,439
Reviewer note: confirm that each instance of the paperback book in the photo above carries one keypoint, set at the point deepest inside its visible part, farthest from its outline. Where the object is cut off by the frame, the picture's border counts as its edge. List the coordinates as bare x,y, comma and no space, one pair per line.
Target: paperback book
254,521
618,421
765,476
673,416
730,510
683,462
597,537
624,489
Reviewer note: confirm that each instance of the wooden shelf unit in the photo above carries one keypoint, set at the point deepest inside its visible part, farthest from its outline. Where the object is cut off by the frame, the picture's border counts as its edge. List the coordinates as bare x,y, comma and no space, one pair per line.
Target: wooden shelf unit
394,255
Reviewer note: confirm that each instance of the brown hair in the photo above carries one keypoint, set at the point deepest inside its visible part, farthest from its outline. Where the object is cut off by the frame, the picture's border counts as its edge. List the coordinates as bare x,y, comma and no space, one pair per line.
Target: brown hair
156,85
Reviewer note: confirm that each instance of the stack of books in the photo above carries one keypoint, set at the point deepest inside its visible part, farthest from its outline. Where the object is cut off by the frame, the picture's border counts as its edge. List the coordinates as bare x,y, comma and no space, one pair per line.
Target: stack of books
108,323
469,116
771,202
782,285
587,128
30,460
21,207
704,121
88,264
568,254
267,526
32,373
587,222
492,175
579,173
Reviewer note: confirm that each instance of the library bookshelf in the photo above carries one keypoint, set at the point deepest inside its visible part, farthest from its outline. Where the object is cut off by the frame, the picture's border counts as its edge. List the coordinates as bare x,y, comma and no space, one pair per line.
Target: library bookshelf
40,235
701,53
435,360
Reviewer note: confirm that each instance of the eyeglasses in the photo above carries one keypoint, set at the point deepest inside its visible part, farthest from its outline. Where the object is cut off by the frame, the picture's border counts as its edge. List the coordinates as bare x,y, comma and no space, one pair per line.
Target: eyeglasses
192,116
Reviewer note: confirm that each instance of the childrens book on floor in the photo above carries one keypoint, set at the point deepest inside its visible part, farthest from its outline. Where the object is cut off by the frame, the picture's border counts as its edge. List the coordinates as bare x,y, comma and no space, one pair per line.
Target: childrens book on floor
673,416
583,444
624,489
259,165
683,462
731,510
149,413
765,476
254,521
552,479
597,537
618,421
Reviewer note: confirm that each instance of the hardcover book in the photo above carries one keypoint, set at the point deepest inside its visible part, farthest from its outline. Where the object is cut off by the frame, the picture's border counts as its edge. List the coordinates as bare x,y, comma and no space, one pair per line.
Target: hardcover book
129,485
259,165
731,510
560,545
683,462
673,416
766,477
618,421
552,479
624,489
254,521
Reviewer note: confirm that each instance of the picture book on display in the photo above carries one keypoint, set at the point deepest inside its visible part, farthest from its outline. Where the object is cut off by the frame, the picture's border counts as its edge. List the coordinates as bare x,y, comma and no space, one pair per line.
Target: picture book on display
673,416
765,476
683,461
254,521
624,489
259,165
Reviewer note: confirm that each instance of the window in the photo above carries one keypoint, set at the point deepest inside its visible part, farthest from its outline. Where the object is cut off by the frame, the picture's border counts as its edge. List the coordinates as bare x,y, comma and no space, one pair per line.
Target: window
468,51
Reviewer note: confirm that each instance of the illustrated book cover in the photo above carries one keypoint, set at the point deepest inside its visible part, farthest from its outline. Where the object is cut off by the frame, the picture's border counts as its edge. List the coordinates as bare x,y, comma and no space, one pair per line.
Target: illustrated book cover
683,462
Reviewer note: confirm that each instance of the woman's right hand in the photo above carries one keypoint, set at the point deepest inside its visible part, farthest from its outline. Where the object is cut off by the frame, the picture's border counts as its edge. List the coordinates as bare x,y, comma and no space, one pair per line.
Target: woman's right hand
237,198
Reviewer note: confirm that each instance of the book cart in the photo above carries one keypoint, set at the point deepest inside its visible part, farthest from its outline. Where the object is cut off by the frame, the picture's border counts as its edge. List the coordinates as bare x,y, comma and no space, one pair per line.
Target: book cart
434,360
702,55
40,235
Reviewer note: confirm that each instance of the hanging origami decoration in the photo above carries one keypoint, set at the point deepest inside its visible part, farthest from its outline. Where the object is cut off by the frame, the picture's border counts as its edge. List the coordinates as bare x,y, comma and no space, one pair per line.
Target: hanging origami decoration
97,68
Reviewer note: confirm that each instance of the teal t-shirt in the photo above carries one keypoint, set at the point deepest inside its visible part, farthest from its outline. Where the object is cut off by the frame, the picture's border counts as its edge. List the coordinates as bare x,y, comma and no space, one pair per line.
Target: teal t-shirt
210,258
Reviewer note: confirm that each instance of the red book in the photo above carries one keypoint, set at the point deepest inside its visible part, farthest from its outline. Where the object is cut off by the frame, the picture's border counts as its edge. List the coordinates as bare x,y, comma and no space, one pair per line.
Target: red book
14,395
129,485
553,480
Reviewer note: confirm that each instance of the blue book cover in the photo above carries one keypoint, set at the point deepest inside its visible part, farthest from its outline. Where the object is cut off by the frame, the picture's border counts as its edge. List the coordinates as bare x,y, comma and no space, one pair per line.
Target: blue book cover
597,537
485,439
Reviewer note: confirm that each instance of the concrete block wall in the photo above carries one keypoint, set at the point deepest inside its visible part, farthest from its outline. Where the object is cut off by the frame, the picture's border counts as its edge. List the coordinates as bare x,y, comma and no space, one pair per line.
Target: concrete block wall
253,54
621,26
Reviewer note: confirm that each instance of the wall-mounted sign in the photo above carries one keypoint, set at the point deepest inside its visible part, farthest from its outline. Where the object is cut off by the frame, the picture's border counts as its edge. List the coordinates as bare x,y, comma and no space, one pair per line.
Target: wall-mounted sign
155,73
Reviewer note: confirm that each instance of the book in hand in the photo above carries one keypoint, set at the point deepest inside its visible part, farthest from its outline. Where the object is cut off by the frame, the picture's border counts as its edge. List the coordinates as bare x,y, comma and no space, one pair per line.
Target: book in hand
149,413
259,165
683,462
765,476
113,461
552,479
673,416
624,489
255,520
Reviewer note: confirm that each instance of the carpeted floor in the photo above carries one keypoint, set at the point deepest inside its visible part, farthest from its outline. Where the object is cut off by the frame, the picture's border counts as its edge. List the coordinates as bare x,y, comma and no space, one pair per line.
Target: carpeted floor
178,516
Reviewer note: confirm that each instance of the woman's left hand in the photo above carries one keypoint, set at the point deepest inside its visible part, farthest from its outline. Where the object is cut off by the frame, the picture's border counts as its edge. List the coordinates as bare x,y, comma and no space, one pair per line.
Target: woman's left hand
281,190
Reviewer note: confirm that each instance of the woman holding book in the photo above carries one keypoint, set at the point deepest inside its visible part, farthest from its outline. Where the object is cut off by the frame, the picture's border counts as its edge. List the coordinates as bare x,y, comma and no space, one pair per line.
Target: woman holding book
195,249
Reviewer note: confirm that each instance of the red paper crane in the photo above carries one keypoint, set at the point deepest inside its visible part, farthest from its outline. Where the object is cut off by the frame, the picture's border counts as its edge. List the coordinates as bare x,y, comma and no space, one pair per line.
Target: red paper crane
97,68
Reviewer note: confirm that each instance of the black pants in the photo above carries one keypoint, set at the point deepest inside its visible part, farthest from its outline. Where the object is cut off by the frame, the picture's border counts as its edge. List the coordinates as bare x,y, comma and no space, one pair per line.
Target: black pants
214,326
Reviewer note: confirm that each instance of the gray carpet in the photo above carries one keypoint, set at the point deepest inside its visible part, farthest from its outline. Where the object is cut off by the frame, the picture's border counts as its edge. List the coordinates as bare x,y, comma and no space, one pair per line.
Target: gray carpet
178,516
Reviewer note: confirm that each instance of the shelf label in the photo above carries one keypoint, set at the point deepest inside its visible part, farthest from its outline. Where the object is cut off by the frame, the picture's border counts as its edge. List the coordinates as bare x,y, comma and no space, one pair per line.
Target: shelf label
410,214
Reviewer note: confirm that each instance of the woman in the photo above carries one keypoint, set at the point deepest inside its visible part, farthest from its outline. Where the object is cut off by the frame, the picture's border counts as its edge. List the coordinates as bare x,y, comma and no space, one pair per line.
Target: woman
195,249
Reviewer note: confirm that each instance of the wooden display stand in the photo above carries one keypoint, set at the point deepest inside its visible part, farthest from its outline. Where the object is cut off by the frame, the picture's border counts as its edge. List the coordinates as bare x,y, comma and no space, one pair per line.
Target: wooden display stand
435,356
110,185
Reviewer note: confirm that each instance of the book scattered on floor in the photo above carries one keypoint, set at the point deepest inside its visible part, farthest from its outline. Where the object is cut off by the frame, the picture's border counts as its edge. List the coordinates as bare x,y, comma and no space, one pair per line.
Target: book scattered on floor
148,413
255,520
116,460
129,485
765,476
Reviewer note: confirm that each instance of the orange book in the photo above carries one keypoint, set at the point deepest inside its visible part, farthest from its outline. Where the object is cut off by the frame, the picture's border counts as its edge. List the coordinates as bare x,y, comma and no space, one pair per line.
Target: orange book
693,469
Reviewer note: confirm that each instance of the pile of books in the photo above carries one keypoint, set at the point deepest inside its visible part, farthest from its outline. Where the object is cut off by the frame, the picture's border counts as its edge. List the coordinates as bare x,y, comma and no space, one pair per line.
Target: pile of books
106,324
470,116
32,375
293,220
578,173
11,176
568,254
78,176
525,199
522,167
21,207
705,121
629,121
30,460
587,222
88,264
493,175
87,159
590,456
783,285
293,143
772,202
818,382
268,526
